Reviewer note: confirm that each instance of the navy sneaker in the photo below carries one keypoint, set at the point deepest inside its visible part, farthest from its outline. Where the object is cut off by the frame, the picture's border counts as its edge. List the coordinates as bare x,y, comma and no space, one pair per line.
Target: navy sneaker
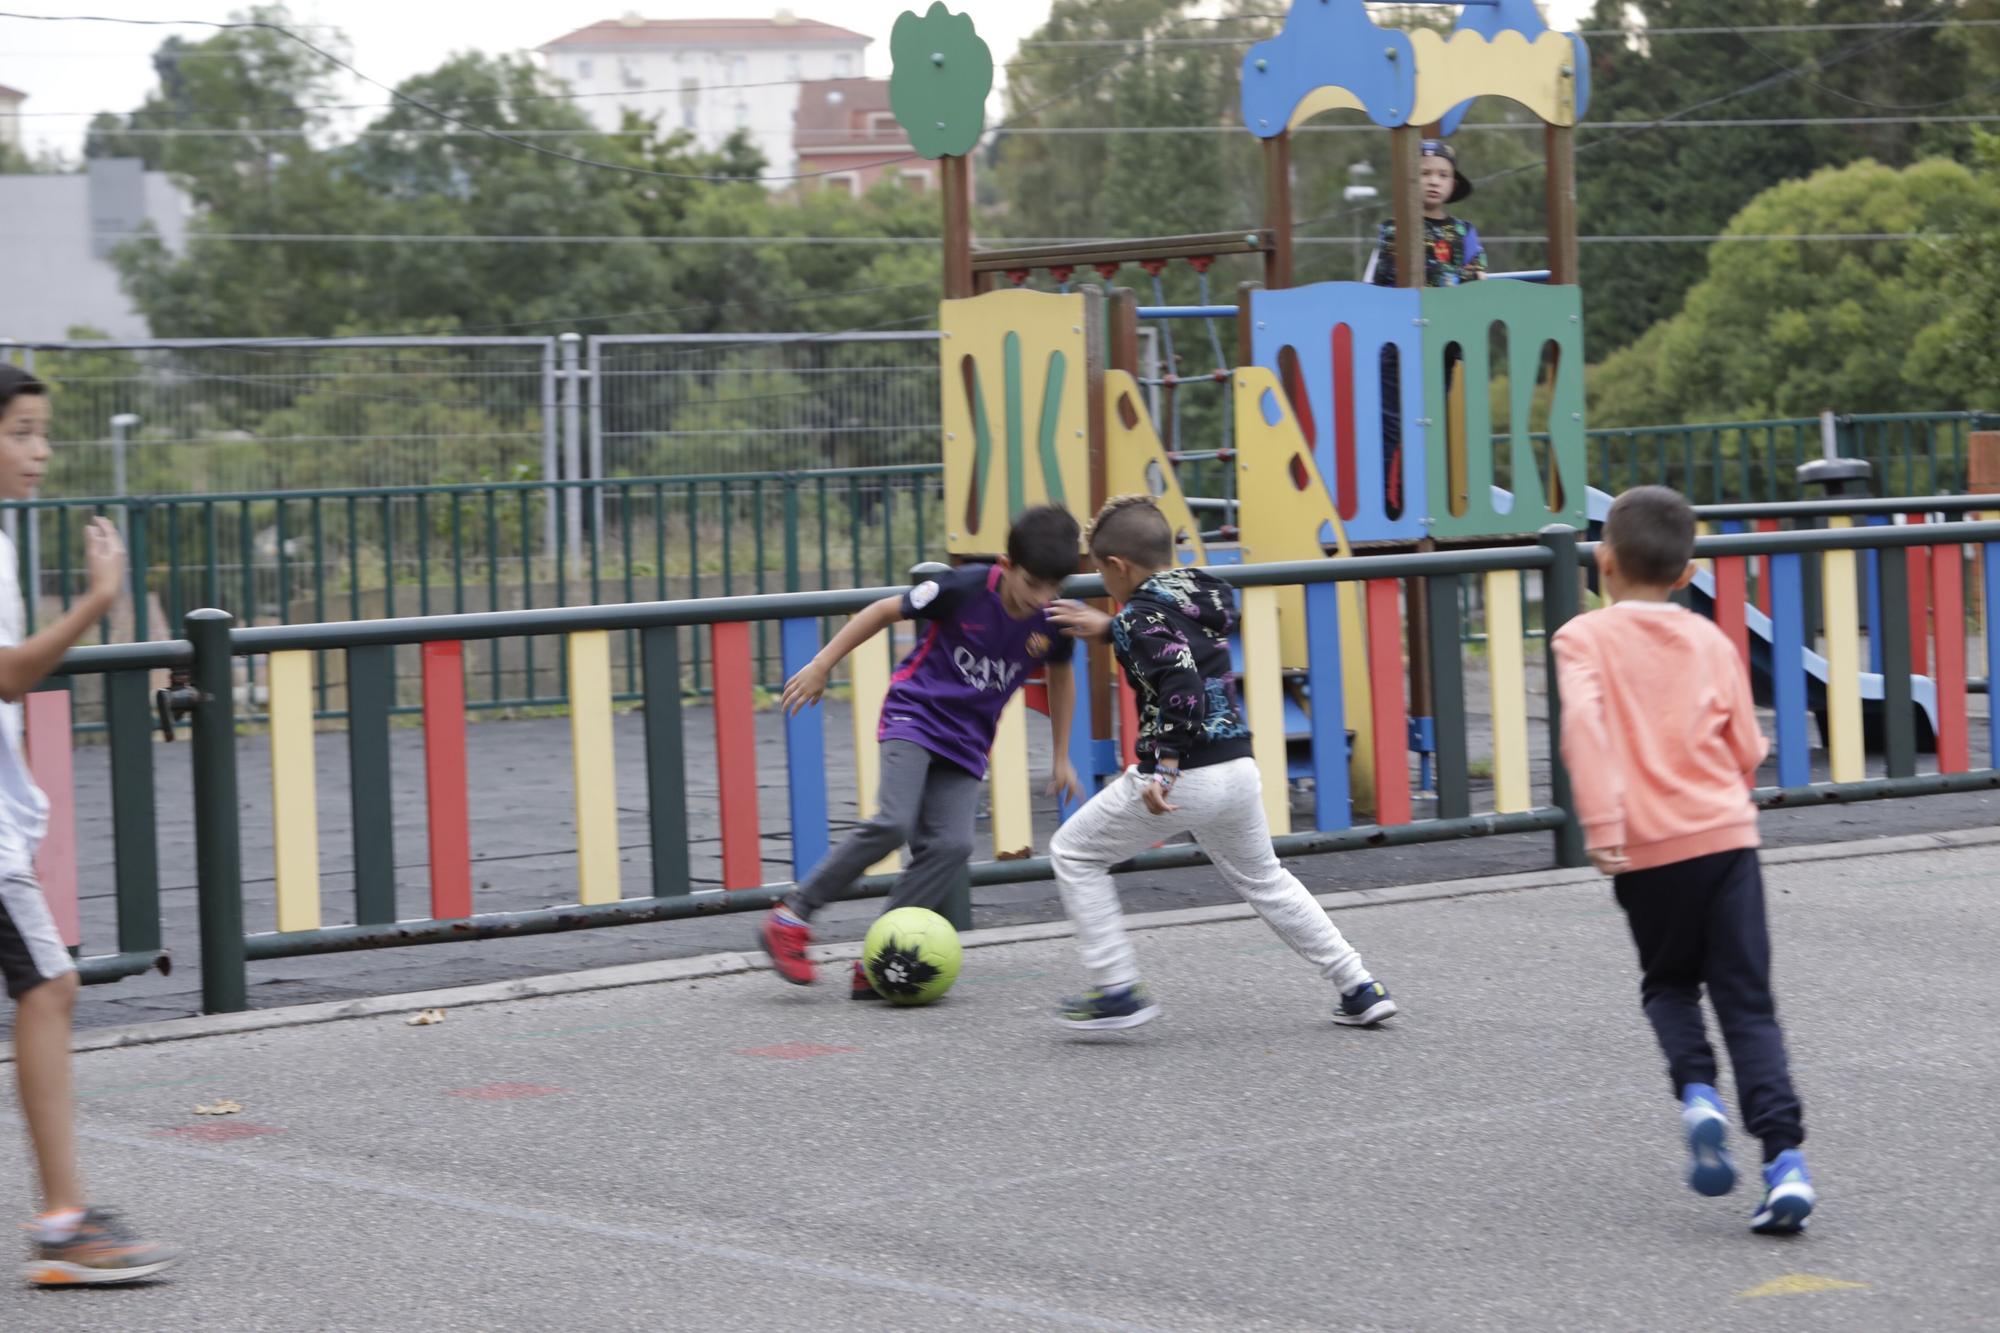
1365,1006
1788,1196
1710,1172
1102,1011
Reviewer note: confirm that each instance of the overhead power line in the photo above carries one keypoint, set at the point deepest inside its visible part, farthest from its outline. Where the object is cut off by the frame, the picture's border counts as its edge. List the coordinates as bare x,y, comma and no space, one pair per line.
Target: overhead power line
420,238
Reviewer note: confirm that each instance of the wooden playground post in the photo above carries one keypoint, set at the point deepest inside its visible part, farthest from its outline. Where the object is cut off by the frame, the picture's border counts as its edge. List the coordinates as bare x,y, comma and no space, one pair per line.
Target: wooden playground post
1100,657
1406,195
956,180
1559,141
1278,210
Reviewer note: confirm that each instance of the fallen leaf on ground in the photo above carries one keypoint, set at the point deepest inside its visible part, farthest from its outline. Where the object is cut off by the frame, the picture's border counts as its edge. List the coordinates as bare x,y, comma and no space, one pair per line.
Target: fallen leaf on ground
426,1018
223,1107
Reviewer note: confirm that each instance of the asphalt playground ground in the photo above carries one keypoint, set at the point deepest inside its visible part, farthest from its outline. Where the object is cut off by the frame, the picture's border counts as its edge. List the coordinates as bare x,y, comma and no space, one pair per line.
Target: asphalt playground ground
714,1150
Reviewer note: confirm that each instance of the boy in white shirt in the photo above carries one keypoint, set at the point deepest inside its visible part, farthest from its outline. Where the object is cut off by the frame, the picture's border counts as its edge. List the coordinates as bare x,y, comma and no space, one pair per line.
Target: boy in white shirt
72,1243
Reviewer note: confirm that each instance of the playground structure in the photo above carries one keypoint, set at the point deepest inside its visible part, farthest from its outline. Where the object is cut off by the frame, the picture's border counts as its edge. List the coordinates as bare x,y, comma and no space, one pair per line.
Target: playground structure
1361,415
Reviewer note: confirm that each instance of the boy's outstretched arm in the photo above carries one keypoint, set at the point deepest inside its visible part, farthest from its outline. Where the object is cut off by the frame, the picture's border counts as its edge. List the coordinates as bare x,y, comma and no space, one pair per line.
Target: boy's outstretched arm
1063,780
25,665
1594,781
809,684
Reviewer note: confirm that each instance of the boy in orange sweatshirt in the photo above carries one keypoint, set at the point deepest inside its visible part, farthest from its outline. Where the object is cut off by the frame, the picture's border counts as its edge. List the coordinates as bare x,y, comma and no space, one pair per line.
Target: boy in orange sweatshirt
1661,739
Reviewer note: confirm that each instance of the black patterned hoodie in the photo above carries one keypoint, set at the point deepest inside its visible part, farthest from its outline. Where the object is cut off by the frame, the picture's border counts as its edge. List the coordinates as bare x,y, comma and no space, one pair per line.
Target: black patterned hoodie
1172,638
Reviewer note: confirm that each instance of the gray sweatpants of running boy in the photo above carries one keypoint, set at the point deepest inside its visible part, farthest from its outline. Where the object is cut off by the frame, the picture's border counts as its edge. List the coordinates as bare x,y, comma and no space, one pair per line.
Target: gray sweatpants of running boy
1223,806
924,803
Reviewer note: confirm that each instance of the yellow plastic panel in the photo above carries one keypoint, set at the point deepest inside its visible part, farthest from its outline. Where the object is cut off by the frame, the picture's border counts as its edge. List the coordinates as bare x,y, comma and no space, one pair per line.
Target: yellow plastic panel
1136,464
1014,378
1283,508
1843,663
294,806
1322,100
1465,65
1507,675
596,778
1007,783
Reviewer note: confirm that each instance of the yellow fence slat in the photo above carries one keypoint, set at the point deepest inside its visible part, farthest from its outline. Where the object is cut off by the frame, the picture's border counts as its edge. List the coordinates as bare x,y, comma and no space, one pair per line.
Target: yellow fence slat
1008,784
590,755
1843,662
869,670
1507,675
294,801
1264,702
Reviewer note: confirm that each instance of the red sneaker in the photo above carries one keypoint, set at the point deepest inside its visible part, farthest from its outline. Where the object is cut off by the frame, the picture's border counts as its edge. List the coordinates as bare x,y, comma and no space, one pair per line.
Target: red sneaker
785,939
859,987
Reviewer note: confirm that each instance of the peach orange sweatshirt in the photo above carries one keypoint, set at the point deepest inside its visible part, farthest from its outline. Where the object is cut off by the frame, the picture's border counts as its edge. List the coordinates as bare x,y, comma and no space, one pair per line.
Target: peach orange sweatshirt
1659,732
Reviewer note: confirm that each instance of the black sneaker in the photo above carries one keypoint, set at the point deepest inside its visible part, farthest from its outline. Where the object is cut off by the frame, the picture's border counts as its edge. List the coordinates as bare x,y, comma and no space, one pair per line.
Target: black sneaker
1126,1007
1365,1006
101,1253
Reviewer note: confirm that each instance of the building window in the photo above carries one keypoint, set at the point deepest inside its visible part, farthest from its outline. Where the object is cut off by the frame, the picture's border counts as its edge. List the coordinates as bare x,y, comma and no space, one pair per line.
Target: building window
586,69
690,103
917,182
631,73
882,125
792,68
846,182
843,66
742,115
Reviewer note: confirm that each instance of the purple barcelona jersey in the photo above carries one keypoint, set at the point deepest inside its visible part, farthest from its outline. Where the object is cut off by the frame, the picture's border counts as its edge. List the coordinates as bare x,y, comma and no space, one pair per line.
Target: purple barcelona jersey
970,658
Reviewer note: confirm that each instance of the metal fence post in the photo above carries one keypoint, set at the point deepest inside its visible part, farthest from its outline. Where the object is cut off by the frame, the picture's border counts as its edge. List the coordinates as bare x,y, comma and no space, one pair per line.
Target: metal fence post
1561,601
218,844
572,425
139,559
791,485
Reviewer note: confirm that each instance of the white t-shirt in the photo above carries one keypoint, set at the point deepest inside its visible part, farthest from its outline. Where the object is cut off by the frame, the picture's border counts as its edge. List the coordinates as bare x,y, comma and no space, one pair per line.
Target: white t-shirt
24,810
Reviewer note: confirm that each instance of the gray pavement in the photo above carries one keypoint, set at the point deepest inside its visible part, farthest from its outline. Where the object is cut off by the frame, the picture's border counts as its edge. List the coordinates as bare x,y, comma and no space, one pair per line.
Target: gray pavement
731,1153
523,840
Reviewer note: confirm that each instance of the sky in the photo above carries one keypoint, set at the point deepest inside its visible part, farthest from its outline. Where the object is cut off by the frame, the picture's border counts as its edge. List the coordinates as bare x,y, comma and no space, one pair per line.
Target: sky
90,67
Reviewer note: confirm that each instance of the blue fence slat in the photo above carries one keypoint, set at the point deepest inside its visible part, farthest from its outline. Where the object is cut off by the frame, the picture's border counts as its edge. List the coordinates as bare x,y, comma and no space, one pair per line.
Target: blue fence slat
1788,670
1873,572
805,754
1332,804
1082,749
1991,559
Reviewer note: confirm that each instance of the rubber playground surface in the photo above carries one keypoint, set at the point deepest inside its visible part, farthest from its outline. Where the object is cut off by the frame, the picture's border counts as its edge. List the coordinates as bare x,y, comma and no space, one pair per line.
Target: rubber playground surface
726,1152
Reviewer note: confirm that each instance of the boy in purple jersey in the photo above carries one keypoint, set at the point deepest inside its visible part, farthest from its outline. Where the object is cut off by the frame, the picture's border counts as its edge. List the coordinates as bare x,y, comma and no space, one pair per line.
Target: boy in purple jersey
986,630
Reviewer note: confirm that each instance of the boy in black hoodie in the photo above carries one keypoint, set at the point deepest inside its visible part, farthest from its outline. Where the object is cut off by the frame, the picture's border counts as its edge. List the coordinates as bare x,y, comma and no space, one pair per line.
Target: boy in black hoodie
1195,774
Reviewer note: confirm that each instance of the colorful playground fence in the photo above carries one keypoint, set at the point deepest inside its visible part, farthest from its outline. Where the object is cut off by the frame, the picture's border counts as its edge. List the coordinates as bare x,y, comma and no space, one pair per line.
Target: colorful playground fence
213,645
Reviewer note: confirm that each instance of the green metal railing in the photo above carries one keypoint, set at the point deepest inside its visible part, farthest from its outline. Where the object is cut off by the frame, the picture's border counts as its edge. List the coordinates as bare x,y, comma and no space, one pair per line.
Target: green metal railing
213,647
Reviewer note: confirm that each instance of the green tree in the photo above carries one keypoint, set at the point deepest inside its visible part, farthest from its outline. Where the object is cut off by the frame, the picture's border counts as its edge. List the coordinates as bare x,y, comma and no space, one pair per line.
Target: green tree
1692,180
1791,328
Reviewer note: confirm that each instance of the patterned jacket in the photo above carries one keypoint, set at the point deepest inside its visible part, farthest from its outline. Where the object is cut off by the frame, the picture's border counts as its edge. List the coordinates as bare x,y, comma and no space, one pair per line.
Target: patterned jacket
1172,638
1453,253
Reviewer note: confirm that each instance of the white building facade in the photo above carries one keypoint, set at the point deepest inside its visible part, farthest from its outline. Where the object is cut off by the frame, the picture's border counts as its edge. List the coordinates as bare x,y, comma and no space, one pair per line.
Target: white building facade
708,77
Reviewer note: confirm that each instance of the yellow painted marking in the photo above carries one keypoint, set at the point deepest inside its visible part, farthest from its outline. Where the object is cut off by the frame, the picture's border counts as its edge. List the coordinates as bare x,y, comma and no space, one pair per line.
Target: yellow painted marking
1281,520
869,669
1800,1284
1135,463
977,327
1508,676
1843,663
294,804
1008,778
590,756
1264,703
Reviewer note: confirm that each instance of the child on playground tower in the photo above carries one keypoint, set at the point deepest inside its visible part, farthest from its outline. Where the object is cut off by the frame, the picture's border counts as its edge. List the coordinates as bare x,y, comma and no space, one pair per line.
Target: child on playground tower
1452,252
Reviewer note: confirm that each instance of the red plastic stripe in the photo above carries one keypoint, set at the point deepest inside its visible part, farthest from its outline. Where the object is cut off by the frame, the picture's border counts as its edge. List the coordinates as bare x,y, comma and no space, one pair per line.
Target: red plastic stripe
1948,579
1392,723
1920,612
736,756
1347,489
445,780
1764,566
52,765
1732,583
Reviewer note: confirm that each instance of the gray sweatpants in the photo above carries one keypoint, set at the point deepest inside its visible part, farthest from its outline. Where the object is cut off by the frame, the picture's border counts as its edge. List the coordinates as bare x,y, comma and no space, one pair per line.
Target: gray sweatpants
924,803
1223,806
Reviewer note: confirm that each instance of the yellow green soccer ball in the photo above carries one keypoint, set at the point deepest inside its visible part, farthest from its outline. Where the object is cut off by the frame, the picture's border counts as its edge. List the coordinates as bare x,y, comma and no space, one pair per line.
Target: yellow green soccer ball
911,955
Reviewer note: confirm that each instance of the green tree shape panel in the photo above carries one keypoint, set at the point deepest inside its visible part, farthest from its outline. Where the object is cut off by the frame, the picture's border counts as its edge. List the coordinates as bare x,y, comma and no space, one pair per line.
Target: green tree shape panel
1534,316
940,76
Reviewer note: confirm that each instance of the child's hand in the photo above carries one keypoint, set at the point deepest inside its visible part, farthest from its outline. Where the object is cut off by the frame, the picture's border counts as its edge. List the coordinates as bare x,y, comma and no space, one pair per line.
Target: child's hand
1080,621
804,689
1064,782
104,560
1610,860
1158,786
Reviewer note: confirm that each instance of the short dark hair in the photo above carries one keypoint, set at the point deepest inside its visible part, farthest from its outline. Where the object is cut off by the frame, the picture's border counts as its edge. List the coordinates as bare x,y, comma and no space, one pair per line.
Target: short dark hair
1651,532
1044,541
1132,528
16,382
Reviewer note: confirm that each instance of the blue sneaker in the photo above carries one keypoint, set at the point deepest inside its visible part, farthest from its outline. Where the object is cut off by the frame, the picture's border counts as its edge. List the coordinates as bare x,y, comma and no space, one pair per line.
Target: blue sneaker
1707,1124
1104,1011
1365,1006
1788,1196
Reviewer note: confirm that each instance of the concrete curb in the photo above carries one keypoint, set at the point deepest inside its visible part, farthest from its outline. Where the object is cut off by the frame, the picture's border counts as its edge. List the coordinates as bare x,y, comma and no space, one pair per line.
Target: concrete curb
729,964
